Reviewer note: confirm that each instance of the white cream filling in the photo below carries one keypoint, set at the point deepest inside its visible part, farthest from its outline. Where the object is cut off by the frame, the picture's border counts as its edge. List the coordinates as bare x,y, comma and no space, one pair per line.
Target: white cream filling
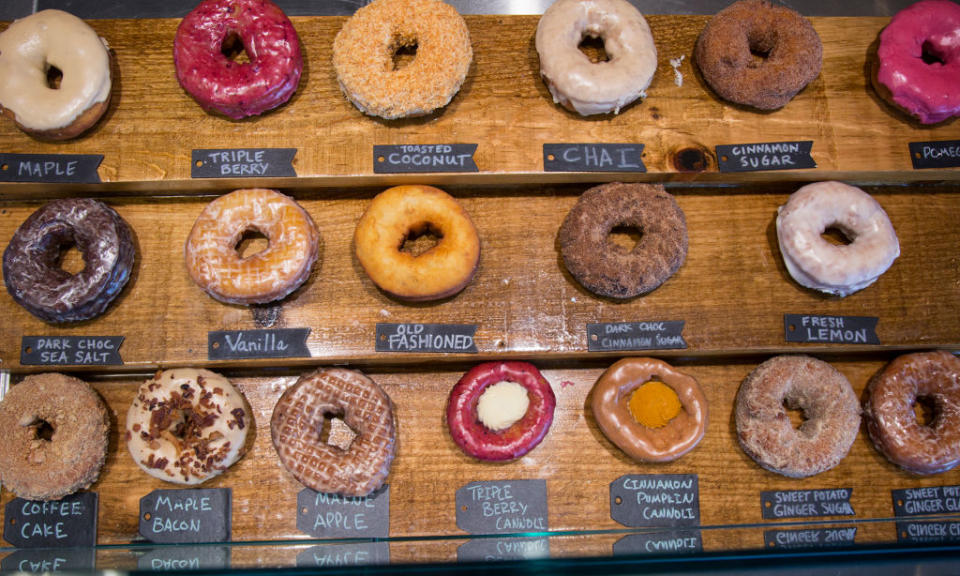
502,405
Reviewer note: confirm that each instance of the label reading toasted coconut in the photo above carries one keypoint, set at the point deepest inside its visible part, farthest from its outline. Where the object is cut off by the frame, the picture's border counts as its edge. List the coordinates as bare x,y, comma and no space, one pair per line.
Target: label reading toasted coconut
332,516
243,163
809,328
180,558
437,338
71,350
68,522
933,532
498,549
502,507
64,560
655,500
339,555
765,156
622,336
807,538
942,154
268,343
924,501
660,542
186,516
424,158
776,504
59,168
593,157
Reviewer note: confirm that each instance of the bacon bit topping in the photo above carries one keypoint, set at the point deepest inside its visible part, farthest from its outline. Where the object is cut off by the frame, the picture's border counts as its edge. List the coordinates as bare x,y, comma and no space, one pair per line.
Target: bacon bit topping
238,413
158,463
218,391
136,427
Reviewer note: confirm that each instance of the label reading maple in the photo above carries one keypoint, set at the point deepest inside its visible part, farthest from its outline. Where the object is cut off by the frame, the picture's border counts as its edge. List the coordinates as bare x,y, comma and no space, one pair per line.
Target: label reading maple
59,168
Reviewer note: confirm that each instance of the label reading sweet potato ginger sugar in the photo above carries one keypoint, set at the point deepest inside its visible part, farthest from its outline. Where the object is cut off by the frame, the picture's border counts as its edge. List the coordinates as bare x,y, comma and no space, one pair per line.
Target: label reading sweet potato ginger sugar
778,504
243,163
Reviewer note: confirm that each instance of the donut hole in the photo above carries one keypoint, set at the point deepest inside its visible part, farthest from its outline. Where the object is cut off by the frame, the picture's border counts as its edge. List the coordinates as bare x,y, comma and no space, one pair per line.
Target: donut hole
593,48
70,259
795,413
404,52
837,236
251,243
42,430
761,44
932,54
335,432
54,77
420,239
233,49
925,410
625,237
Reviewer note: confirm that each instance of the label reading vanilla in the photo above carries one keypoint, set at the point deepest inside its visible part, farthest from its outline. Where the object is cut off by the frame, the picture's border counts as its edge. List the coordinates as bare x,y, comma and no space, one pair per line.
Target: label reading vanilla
333,516
59,168
765,156
502,507
655,500
593,158
266,343
186,516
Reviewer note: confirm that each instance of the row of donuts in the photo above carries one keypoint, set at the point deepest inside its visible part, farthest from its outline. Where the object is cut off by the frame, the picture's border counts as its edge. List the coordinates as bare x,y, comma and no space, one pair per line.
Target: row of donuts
187,426
918,64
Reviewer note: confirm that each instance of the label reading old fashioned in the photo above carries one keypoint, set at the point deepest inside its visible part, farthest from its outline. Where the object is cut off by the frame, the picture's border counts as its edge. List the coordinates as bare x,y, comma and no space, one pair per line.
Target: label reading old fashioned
765,156
593,158
436,338
243,163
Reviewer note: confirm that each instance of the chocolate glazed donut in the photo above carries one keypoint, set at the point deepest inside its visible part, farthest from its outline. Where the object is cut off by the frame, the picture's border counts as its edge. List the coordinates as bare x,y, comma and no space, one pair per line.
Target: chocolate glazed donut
31,268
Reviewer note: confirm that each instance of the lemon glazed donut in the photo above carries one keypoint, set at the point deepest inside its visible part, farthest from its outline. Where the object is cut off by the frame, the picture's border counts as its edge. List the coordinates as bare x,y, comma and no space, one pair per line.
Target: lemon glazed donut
364,49
586,87
29,51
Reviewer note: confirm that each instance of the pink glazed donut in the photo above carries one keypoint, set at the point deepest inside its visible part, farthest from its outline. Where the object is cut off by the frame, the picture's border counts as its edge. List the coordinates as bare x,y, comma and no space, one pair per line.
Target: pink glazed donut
919,61
238,89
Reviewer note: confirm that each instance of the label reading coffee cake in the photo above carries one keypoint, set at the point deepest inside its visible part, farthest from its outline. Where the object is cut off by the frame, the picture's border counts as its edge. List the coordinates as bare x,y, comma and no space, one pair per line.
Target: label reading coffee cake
70,521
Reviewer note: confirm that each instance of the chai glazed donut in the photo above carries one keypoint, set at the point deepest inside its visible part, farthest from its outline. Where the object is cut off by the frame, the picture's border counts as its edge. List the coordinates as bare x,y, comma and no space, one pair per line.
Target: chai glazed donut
830,409
401,212
271,274
238,89
38,466
29,51
31,268
932,377
918,61
725,48
500,410
650,410
363,406
835,269
606,268
586,87
186,426
364,48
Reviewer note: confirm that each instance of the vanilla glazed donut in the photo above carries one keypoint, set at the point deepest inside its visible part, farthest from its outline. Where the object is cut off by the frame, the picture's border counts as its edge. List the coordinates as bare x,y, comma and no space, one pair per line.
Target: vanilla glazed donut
186,426
215,265
835,269
586,87
364,48
29,48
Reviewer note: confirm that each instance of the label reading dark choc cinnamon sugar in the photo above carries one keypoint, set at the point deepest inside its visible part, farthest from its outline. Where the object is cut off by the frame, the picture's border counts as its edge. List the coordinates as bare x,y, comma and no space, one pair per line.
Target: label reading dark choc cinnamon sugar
68,522
71,350
654,500
593,158
186,516
618,336
332,516
765,156
59,168
943,154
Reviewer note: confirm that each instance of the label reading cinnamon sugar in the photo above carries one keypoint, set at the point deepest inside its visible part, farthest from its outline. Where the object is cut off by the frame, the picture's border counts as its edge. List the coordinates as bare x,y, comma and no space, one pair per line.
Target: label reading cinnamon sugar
186,516
655,500
68,522
765,156
333,516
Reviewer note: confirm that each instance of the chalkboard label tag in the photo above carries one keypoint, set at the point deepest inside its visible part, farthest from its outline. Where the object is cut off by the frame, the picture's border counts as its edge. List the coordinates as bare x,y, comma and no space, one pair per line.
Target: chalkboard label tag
71,351
813,328
68,522
426,158
343,555
923,501
590,157
46,560
934,532
777,504
58,168
765,156
500,549
810,538
655,500
267,343
243,163
942,154
673,542
324,515
437,338
182,558
624,336
502,507
186,516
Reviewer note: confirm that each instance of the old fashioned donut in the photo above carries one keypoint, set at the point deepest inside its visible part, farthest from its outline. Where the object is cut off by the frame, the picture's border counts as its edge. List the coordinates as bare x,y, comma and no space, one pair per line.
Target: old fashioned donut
271,274
210,31
186,425
298,421
402,212
364,50
817,263
726,47
587,87
652,436
918,61
830,409
489,421
55,436
31,262
608,269
931,377
32,50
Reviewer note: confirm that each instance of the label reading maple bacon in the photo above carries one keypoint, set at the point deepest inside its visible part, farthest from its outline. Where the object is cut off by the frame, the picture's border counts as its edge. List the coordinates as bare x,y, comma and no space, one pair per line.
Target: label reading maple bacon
186,516
765,156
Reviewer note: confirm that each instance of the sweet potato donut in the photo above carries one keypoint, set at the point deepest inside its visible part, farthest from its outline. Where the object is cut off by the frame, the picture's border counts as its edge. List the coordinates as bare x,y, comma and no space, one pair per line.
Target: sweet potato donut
610,405
364,49
470,426
271,274
608,269
928,448
38,466
403,211
238,89
830,409
726,47
31,267
365,408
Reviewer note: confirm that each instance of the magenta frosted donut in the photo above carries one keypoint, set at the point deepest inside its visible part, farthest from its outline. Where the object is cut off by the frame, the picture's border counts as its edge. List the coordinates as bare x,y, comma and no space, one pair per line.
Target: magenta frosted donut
238,89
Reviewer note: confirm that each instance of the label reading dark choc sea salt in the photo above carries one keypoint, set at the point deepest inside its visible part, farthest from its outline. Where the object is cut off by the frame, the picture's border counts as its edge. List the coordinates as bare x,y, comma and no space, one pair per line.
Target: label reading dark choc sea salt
70,521
332,516
765,156
71,350
649,500
268,343
186,516
243,163
809,328
426,158
777,504
502,507
923,501
437,338
943,154
810,538
593,158
59,168
617,336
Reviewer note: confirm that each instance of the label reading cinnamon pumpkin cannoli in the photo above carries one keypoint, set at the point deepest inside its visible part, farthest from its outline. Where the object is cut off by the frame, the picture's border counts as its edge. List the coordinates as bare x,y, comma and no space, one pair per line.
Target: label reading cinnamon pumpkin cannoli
655,500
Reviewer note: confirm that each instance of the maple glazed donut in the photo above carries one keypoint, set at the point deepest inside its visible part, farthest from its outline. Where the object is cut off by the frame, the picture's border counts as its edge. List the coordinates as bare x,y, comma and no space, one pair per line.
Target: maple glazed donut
830,409
631,404
298,419
271,274
238,89
725,53
920,448
835,269
364,50
35,47
186,425
38,465
587,87
31,268
401,212
500,410
918,61
607,269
